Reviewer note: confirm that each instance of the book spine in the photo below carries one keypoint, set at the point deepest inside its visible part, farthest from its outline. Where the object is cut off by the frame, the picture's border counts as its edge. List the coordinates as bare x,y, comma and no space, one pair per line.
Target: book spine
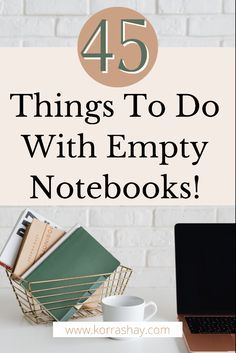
10,250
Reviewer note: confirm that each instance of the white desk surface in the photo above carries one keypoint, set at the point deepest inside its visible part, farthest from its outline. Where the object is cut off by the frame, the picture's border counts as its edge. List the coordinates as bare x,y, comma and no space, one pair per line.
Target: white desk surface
18,335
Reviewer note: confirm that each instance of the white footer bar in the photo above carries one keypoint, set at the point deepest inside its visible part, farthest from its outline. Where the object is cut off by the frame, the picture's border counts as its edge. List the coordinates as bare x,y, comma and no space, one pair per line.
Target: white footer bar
117,329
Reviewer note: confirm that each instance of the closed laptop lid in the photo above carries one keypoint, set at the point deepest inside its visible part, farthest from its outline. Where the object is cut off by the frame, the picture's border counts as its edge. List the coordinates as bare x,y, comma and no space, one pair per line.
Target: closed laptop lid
205,268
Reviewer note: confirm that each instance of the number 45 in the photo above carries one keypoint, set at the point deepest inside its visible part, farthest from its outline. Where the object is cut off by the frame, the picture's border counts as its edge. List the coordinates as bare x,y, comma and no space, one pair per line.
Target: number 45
104,55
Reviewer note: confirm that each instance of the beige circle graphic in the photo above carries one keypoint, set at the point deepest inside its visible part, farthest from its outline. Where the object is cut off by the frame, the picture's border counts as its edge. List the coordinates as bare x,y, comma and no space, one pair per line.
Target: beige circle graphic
117,47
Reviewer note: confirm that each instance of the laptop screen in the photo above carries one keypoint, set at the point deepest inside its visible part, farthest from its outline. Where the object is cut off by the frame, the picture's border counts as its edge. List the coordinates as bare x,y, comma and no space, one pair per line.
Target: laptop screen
205,268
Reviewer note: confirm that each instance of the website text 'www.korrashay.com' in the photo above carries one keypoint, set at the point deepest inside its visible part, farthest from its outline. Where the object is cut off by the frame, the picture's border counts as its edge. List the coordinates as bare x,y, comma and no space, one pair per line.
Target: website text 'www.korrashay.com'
117,329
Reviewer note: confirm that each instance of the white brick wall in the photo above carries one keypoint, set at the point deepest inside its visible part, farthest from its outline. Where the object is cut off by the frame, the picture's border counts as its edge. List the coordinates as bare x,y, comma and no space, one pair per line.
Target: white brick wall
211,25
142,238
169,25
97,5
59,7
70,26
146,7
26,26
11,7
58,22
190,6
229,6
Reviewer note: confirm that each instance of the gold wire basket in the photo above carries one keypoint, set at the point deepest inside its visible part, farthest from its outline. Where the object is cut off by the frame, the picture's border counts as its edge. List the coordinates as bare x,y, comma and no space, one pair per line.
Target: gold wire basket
89,300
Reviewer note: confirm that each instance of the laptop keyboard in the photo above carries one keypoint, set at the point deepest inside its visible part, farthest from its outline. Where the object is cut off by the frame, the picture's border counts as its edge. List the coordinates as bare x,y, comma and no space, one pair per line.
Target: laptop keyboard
220,325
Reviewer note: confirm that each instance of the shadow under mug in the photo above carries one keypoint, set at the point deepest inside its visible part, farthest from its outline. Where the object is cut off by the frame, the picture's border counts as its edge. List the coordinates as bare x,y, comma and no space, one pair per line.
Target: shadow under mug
126,308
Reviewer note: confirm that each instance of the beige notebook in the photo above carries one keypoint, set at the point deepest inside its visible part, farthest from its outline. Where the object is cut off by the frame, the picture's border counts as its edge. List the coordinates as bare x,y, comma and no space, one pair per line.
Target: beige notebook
92,302
38,238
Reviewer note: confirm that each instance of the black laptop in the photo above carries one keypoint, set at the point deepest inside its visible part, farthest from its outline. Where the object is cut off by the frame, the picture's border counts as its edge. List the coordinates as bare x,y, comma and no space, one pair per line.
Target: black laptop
205,284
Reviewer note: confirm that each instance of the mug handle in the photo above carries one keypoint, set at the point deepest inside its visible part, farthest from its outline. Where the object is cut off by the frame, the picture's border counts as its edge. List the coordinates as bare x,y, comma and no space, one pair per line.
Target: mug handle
154,306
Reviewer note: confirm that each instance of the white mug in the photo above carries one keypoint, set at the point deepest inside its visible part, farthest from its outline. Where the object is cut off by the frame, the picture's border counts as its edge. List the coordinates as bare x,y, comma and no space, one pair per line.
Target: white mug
126,308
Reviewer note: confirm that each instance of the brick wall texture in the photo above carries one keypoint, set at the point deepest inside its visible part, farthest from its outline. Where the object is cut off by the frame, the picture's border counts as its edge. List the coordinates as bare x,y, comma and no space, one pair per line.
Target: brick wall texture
58,22
140,237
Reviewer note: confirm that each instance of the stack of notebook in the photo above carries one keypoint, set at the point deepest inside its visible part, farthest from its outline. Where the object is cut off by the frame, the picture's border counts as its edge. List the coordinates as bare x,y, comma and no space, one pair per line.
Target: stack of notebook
40,252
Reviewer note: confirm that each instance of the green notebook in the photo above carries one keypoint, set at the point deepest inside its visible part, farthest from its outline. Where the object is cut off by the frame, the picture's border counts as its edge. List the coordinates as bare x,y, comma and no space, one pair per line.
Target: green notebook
77,253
